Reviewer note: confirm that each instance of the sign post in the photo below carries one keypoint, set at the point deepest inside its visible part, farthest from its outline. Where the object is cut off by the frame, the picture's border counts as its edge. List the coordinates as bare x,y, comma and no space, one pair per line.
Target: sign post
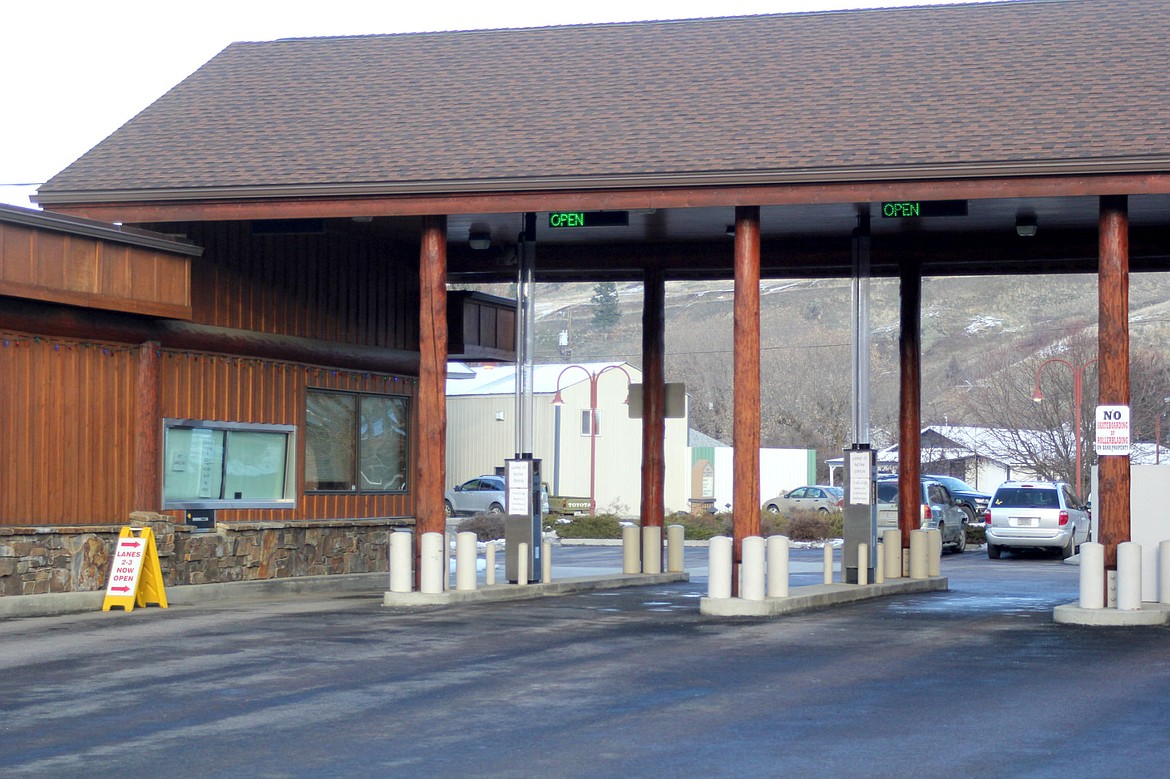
135,576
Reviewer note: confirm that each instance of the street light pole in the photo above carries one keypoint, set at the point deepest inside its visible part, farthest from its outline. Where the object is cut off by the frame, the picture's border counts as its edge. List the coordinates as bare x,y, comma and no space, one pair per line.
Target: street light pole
559,401
1078,372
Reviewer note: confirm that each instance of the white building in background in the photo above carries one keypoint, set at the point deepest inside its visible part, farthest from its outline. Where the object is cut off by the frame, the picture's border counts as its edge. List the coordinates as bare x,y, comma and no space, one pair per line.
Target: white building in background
481,435
481,431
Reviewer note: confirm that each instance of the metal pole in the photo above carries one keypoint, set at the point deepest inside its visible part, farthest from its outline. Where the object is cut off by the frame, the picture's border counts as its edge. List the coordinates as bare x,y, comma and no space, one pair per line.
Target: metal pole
592,441
861,328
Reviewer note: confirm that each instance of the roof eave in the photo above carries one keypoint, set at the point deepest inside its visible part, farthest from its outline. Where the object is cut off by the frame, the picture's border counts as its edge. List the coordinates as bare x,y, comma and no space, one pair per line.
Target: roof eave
1006,169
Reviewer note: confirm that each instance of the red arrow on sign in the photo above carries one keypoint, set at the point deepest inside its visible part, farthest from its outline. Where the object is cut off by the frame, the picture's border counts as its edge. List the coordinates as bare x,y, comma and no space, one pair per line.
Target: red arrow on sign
132,544
123,588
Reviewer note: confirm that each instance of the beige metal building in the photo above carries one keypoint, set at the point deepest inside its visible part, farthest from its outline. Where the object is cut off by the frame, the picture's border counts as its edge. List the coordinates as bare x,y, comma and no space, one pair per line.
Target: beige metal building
588,437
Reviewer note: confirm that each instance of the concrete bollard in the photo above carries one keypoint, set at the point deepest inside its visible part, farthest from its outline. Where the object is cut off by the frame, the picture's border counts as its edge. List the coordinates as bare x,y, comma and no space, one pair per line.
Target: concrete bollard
652,549
1092,576
522,563
919,541
631,553
777,549
863,563
934,558
401,549
719,567
892,545
752,581
546,562
879,568
433,562
676,544
489,554
1163,571
466,555
1129,576
828,563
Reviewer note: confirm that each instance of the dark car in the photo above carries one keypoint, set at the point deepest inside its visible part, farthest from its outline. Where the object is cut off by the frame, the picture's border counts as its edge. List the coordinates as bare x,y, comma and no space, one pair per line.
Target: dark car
972,501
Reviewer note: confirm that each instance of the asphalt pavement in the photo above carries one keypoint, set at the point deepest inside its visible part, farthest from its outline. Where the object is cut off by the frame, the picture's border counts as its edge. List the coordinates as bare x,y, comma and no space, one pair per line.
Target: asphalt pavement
975,681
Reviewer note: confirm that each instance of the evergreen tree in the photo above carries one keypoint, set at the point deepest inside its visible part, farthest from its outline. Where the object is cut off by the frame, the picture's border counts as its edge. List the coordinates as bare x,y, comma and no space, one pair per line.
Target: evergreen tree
605,305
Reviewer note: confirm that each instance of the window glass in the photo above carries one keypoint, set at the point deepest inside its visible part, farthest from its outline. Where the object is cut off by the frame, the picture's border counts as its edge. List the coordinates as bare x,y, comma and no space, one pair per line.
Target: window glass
588,415
222,464
385,433
329,441
194,464
256,465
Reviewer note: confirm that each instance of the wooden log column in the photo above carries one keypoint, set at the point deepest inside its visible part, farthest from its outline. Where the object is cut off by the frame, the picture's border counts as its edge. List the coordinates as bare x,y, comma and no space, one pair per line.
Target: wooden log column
1113,367
745,519
148,429
432,382
653,399
910,405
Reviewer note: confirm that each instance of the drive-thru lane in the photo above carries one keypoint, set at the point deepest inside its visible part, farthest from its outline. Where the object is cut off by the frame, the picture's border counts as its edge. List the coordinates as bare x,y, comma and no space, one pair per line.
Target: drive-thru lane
976,681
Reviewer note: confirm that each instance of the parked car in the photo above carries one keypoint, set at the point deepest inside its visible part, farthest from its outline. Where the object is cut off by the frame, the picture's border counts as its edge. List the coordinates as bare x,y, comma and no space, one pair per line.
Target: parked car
972,501
1036,514
938,509
482,495
815,497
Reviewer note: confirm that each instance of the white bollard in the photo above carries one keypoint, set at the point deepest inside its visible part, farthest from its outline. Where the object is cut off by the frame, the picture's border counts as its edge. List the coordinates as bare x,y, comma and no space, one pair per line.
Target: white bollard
631,554
652,549
919,541
448,559
719,567
676,544
777,548
466,556
879,568
546,562
489,554
433,563
934,558
828,563
863,563
752,582
401,549
892,546
1163,571
1129,576
1092,576
522,563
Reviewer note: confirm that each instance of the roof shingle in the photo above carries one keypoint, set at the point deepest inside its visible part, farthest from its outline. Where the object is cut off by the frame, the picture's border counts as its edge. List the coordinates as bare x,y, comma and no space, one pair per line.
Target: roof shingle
817,96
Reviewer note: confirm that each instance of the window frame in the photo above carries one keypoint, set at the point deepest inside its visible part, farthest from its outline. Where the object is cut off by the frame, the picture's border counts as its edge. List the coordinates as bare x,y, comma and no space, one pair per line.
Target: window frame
356,452
289,497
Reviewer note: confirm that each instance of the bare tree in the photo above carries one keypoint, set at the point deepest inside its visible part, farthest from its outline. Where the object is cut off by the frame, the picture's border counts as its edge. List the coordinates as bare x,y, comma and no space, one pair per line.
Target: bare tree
1043,435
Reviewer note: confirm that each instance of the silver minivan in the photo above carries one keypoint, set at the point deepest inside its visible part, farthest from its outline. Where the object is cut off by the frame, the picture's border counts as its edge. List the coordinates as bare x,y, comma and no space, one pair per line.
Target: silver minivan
1036,514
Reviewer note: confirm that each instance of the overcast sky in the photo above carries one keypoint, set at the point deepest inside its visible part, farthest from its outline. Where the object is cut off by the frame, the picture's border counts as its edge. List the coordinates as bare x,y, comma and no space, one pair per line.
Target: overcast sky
75,70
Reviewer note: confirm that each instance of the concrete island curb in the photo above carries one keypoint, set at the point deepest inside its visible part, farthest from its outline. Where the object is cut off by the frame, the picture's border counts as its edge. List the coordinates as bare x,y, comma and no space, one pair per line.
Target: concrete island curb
817,596
1148,614
505,592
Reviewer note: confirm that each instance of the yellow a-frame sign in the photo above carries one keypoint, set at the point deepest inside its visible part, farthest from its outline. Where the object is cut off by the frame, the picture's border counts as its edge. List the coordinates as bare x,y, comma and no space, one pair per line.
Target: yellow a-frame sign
135,576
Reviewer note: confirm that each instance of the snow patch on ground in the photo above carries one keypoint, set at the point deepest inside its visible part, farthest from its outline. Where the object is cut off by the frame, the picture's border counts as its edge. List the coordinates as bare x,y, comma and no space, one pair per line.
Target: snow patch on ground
982,323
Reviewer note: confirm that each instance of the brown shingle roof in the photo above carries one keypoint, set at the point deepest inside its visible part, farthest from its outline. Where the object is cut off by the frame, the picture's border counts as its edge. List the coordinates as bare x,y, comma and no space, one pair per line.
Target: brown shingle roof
1040,86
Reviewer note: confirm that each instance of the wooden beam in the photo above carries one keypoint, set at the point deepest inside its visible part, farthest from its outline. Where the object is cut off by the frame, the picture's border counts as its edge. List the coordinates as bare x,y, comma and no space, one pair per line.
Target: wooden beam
745,518
653,400
1113,369
147,429
910,405
514,201
430,443
29,316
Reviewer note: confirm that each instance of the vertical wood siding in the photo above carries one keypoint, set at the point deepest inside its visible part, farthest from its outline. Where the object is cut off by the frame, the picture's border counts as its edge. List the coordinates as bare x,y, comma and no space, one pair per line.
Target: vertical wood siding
230,389
339,286
65,445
